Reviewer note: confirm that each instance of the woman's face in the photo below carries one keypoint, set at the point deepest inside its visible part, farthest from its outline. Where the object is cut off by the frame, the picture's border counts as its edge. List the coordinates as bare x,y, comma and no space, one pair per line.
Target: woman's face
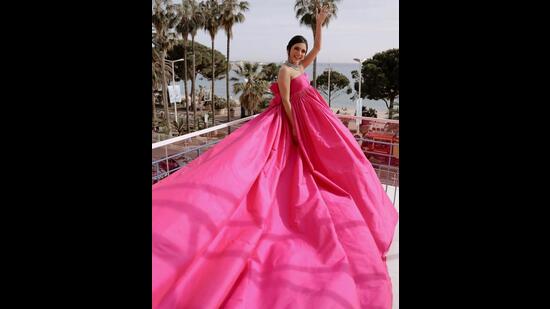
297,52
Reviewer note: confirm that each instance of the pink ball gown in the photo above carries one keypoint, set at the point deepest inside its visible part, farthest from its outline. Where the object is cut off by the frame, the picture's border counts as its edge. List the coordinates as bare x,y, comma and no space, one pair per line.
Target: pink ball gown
259,222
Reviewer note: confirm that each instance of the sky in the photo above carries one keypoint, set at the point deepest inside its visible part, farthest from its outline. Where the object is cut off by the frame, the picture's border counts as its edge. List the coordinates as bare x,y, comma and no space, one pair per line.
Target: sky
361,29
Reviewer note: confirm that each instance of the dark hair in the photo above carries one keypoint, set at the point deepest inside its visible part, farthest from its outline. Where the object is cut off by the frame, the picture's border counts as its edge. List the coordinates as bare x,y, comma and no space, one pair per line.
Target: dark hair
295,40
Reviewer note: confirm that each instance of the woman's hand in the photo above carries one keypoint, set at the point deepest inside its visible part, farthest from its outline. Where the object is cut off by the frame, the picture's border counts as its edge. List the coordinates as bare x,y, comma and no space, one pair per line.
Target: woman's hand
294,136
321,14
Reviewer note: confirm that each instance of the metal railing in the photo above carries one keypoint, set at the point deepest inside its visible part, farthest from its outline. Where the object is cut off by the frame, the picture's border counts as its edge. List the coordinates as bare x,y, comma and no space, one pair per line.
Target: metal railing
187,147
378,138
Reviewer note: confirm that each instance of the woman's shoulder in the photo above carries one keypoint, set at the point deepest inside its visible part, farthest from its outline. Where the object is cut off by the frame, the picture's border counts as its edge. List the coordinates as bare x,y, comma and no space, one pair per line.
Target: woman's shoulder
284,71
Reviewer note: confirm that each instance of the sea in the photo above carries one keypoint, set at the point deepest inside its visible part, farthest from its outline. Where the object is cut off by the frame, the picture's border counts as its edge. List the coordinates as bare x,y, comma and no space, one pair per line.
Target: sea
342,100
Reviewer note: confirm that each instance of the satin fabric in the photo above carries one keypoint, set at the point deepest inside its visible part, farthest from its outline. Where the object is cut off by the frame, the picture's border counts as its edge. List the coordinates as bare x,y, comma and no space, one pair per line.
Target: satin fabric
259,222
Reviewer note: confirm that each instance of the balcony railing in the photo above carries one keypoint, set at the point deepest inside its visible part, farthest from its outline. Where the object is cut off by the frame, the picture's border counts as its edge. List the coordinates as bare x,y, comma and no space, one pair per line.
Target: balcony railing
378,138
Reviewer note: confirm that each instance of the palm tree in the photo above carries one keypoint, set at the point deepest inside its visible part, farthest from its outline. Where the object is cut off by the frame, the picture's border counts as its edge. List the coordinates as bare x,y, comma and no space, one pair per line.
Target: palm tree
270,72
157,78
212,23
180,126
183,28
155,81
232,14
305,12
164,18
195,22
253,88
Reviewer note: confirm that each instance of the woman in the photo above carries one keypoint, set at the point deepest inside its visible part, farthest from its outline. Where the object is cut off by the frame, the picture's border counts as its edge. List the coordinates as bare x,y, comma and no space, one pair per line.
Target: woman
286,212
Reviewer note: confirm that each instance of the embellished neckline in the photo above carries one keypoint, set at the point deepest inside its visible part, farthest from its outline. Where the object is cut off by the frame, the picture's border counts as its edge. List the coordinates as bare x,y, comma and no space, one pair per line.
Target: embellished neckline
292,65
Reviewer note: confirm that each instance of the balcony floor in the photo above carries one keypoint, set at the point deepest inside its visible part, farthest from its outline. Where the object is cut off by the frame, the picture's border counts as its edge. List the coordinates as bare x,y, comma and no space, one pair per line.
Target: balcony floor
392,258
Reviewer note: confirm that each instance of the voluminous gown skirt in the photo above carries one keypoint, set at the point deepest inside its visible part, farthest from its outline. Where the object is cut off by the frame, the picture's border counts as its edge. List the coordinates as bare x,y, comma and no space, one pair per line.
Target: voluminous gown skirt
260,222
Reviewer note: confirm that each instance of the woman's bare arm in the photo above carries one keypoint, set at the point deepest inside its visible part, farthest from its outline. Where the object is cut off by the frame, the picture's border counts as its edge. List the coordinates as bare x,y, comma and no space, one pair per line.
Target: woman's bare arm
320,19
283,80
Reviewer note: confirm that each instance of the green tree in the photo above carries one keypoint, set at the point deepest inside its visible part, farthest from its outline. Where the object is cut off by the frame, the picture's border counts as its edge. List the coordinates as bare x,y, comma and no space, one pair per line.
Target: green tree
157,77
202,66
196,22
212,23
380,78
203,62
183,28
232,13
338,82
371,112
180,126
270,72
252,86
164,18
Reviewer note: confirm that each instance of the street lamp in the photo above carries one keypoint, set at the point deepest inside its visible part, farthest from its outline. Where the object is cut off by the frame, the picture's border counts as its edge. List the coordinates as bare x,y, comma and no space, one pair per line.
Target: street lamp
174,85
359,103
